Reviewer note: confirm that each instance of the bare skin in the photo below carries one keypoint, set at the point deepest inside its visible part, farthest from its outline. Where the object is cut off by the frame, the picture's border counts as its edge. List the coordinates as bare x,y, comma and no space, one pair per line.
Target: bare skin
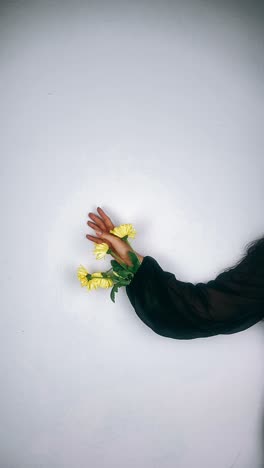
102,224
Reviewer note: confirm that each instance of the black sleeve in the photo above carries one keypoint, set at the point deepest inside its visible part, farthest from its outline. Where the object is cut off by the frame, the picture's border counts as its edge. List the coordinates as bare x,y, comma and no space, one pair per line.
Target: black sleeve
183,310
165,304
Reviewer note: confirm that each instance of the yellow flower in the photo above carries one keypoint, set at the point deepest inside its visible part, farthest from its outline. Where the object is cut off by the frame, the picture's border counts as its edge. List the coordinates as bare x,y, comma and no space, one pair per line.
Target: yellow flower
82,275
124,230
106,282
100,250
98,281
94,282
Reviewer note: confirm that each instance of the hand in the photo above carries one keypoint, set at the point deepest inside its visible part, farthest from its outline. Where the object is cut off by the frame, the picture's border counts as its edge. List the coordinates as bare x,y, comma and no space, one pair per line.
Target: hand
102,225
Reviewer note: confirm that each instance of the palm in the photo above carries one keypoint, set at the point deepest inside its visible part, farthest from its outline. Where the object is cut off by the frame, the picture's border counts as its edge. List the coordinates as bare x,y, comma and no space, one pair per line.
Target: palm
104,223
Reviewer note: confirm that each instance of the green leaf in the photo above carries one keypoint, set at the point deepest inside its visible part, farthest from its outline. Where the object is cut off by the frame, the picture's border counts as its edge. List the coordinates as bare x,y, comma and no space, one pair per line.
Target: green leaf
112,294
134,258
115,264
124,282
113,291
123,273
135,261
119,271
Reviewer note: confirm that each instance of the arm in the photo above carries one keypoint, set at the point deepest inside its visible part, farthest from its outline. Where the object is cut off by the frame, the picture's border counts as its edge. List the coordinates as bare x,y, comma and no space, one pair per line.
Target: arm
178,309
155,294
183,310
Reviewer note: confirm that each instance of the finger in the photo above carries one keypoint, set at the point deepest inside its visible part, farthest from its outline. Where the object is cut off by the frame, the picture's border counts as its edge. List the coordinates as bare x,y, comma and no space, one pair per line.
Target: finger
98,221
107,220
96,239
93,225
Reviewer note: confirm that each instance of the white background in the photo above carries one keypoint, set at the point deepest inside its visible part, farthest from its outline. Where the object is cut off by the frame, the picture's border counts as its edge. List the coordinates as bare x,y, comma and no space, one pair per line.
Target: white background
153,111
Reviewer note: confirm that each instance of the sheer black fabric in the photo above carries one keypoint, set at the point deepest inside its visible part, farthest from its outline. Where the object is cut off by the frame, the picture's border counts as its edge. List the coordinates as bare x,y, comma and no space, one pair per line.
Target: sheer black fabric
232,302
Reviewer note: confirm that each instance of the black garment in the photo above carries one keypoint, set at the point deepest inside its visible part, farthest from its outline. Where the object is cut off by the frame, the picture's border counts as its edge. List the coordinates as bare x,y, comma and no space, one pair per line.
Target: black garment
230,303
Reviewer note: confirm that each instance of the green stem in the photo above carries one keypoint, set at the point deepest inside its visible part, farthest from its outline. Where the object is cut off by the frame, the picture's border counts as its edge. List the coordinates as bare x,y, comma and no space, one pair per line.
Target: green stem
107,271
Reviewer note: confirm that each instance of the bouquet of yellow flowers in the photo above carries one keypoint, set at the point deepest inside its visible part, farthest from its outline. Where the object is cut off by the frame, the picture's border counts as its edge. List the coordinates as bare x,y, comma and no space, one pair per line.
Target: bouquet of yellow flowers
120,274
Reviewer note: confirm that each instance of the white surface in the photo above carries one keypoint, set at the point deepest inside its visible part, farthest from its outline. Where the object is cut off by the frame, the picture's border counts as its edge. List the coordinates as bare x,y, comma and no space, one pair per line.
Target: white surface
152,111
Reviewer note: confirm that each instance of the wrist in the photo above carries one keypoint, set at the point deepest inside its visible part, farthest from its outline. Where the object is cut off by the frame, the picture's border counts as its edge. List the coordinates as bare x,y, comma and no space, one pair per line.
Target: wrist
140,257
